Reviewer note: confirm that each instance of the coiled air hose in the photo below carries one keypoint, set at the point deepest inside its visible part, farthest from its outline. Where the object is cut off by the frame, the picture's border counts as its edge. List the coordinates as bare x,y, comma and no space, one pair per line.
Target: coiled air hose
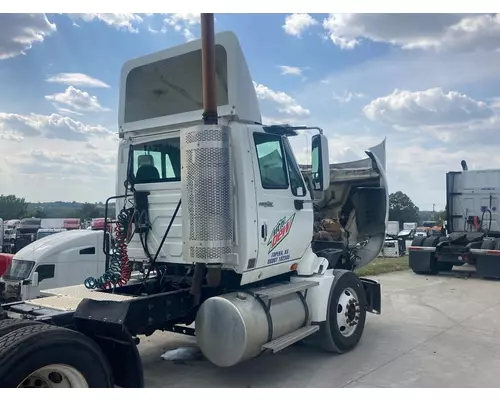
119,270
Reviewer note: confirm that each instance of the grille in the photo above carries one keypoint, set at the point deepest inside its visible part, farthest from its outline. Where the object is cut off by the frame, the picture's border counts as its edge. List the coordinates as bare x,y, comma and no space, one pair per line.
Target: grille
207,193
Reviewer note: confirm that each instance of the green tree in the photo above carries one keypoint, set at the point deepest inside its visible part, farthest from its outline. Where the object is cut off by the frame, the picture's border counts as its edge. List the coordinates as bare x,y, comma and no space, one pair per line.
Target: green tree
89,210
39,213
402,209
12,207
441,216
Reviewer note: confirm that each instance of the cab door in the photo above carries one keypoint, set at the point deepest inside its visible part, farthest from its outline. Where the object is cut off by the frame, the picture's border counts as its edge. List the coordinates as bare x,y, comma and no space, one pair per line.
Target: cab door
285,213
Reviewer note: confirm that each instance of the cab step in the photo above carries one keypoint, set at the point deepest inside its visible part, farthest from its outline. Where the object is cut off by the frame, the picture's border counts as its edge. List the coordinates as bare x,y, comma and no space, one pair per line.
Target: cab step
290,338
274,292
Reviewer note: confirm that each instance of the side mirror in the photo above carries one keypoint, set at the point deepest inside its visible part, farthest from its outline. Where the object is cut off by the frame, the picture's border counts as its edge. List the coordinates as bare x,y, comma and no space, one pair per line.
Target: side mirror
320,163
34,280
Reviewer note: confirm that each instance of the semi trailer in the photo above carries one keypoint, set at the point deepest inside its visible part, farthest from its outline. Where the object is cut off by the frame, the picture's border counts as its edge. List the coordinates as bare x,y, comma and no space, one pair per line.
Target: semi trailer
225,229
472,227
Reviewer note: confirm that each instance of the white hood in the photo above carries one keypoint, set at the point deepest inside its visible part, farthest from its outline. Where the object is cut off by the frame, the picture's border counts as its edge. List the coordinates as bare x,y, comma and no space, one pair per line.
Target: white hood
45,248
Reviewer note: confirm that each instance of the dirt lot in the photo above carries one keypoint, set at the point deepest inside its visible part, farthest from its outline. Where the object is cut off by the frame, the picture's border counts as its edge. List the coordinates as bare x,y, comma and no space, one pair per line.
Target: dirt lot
438,331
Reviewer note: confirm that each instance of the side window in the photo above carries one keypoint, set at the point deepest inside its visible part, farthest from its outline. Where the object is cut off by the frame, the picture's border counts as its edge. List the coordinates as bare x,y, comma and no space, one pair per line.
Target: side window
296,180
46,271
88,250
271,161
158,161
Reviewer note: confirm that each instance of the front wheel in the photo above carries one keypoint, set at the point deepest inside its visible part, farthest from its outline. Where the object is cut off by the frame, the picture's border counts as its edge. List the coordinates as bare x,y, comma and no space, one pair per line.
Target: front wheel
346,314
44,356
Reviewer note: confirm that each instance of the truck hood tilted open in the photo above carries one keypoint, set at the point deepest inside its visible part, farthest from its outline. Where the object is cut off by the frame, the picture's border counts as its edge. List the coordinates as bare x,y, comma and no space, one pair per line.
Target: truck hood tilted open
359,193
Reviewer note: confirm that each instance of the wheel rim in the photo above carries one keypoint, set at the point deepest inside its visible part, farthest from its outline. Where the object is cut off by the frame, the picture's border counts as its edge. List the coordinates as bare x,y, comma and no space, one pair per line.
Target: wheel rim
348,312
55,376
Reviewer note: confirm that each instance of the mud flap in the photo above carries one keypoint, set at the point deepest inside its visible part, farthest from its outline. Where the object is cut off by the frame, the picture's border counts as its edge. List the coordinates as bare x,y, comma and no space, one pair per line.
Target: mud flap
421,261
373,295
488,266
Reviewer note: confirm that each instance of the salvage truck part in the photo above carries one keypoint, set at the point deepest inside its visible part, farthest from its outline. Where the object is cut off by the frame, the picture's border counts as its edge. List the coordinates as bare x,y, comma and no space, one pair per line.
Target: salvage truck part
472,227
216,224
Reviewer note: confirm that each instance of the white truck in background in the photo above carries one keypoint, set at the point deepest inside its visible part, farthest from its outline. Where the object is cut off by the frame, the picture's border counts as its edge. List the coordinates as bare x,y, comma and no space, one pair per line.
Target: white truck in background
61,259
472,227
409,226
392,228
52,223
223,225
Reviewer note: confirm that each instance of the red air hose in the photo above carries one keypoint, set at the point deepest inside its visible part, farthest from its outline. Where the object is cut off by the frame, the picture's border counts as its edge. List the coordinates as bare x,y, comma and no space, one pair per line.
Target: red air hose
121,246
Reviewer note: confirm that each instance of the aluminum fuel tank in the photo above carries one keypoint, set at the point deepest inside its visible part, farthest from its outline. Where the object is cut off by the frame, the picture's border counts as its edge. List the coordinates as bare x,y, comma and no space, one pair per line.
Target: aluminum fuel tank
233,327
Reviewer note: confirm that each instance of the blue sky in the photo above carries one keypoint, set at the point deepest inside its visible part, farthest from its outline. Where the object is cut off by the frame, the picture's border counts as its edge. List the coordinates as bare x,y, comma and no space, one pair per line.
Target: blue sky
429,83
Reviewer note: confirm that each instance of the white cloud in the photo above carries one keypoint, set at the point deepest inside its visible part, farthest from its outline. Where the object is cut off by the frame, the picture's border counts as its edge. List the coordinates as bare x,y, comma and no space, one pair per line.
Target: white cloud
21,31
11,136
466,32
287,70
52,126
77,79
154,31
347,96
429,108
117,20
77,100
67,171
297,24
183,23
286,104
63,110
72,164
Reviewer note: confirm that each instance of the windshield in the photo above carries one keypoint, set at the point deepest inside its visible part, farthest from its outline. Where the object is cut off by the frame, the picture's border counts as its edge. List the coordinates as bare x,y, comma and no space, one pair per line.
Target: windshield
19,270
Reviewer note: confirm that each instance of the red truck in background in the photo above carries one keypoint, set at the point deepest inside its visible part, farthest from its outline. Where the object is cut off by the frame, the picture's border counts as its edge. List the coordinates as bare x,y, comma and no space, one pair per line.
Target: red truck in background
5,260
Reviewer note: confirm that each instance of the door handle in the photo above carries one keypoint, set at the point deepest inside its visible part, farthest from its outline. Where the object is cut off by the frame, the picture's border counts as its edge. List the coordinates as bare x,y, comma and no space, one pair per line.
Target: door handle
263,231
299,204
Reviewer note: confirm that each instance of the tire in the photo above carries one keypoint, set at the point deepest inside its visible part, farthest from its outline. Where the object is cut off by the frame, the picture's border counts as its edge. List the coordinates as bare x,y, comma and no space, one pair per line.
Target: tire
26,350
431,241
431,272
445,267
10,325
418,241
330,337
488,244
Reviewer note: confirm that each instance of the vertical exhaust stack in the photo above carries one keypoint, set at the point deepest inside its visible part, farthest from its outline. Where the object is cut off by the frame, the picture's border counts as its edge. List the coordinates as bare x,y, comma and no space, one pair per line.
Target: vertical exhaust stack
206,174
208,69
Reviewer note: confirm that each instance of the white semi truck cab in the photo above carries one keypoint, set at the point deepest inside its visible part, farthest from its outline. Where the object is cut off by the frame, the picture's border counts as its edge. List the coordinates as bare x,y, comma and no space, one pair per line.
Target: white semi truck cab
223,225
61,259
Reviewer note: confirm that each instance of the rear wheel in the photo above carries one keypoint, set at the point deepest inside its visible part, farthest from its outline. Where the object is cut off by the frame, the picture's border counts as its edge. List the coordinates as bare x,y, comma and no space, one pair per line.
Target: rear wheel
488,244
346,314
41,356
10,325
431,241
418,241
445,267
